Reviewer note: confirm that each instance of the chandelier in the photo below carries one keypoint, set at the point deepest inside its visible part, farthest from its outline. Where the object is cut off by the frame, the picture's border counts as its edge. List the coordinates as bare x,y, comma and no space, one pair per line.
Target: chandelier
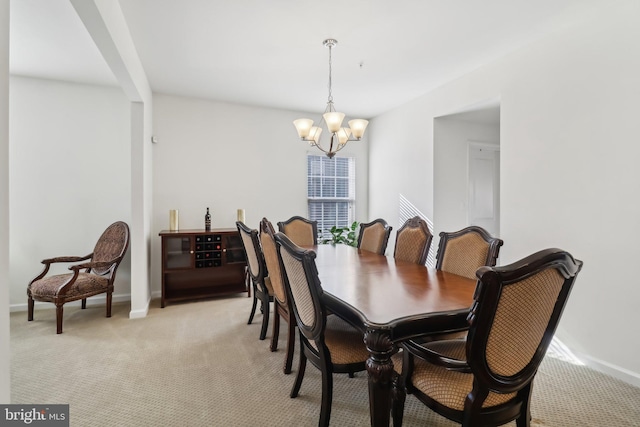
332,120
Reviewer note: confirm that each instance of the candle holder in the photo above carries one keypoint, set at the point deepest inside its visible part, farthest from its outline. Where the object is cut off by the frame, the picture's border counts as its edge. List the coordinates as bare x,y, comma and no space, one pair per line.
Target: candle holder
174,220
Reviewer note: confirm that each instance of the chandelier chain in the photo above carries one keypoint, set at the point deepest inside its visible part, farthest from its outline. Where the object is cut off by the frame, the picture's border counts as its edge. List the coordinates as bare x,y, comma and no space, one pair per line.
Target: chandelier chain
330,99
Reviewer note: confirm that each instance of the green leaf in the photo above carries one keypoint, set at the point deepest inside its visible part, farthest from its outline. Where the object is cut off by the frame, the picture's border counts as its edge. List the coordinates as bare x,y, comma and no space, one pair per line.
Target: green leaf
344,235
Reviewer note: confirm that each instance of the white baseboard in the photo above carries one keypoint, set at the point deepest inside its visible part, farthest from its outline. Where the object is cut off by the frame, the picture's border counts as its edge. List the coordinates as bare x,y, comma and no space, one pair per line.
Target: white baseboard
139,314
622,374
95,300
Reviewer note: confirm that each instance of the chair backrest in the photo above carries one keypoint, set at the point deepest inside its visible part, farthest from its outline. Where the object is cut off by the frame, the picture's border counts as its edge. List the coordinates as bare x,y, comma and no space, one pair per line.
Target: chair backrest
301,231
413,241
112,245
463,252
303,288
252,249
374,236
514,316
270,252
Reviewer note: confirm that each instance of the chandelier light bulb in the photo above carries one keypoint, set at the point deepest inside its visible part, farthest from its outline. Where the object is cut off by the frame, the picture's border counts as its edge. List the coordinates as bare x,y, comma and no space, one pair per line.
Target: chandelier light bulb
314,134
357,127
333,120
303,126
343,135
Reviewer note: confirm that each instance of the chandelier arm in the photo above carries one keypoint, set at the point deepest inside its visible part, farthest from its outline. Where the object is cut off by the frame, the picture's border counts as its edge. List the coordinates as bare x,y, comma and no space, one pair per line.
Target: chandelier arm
319,147
340,147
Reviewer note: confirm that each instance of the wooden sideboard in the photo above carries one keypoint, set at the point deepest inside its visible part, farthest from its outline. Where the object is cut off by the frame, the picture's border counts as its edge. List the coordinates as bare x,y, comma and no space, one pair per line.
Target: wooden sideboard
201,264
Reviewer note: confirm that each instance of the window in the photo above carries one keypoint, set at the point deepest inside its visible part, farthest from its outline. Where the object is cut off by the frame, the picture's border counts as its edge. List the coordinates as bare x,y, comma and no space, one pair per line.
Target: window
331,191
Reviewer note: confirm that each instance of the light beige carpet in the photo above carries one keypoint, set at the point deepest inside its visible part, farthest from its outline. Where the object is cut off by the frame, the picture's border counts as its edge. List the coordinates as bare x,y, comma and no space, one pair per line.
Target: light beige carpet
200,364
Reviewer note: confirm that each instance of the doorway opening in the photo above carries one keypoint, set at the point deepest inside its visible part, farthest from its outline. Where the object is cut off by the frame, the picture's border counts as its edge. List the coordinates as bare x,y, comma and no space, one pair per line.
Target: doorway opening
467,169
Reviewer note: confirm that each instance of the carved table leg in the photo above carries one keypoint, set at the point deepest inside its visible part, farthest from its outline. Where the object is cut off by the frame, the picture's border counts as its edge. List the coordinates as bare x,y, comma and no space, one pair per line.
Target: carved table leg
380,369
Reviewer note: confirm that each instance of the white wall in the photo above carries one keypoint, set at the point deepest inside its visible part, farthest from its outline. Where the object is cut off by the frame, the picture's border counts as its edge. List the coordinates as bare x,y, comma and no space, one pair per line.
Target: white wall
569,175
105,23
5,373
228,156
70,175
451,145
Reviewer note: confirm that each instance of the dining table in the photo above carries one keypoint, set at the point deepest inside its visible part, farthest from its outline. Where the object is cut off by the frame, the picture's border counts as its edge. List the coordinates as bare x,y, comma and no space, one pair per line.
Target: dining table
389,301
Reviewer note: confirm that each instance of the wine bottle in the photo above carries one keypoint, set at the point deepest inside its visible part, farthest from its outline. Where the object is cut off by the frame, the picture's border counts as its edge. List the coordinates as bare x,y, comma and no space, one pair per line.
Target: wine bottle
207,221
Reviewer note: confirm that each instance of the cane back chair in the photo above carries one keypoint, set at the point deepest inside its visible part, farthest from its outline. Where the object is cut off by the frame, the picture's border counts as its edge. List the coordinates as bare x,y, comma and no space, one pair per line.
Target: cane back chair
280,300
463,252
374,236
413,241
262,290
487,378
301,231
328,342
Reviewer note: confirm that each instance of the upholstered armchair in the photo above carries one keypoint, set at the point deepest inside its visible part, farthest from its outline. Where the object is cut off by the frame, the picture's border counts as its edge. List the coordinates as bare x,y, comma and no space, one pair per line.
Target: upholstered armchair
94,275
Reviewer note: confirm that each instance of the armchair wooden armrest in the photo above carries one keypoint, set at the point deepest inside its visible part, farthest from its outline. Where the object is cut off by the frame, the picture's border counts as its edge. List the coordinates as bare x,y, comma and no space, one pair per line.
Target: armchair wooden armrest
94,264
424,326
66,259
47,263
435,358
87,265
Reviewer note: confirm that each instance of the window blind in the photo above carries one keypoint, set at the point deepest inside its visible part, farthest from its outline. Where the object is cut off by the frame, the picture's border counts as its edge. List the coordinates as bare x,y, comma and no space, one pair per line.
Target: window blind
330,191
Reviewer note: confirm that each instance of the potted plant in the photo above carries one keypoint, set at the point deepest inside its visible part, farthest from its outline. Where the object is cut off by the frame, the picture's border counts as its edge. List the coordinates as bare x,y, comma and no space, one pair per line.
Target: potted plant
344,235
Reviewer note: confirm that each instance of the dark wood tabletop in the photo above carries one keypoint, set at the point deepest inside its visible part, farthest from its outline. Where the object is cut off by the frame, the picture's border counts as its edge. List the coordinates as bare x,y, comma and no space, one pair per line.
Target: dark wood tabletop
389,301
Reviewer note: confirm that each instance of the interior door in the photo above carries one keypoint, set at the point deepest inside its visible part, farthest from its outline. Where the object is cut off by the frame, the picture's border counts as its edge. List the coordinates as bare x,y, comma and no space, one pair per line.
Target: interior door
484,187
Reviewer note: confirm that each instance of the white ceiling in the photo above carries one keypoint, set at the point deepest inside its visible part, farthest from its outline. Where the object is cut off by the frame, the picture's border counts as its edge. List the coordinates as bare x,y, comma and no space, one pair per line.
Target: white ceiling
270,53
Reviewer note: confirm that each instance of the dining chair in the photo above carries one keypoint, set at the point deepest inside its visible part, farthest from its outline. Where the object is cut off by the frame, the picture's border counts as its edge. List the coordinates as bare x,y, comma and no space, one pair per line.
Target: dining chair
262,289
301,231
487,378
463,252
328,342
374,236
280,300
97,277
413,241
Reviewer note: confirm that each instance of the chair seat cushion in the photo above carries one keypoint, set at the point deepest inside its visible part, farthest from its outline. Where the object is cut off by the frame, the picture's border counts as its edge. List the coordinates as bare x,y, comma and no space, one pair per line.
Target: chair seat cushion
345,342
450,388
87,284
396,358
